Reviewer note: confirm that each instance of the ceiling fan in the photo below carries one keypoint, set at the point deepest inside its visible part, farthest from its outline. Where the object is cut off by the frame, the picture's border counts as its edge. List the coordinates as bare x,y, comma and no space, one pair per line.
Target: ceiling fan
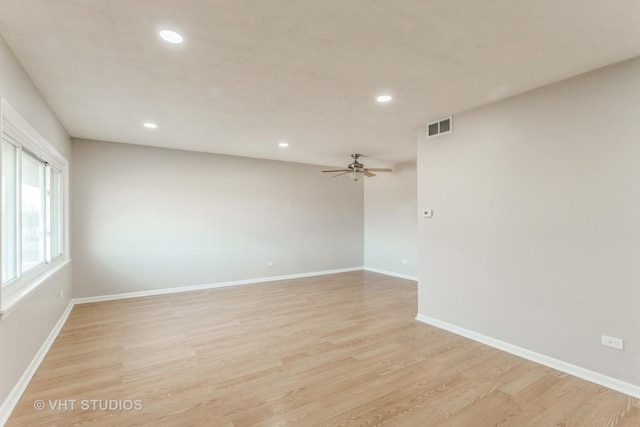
357,169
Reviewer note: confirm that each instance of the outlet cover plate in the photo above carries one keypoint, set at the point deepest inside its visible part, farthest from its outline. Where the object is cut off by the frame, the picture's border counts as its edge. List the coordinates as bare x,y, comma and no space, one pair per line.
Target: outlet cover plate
617,343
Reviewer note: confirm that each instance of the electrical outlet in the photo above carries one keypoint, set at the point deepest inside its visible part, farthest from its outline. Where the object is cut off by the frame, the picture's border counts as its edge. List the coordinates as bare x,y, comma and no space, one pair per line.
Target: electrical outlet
617,343
427,213
61,294
404,261
269,263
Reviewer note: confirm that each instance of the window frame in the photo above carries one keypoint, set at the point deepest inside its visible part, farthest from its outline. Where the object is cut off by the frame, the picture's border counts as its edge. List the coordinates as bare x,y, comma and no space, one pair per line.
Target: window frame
27,140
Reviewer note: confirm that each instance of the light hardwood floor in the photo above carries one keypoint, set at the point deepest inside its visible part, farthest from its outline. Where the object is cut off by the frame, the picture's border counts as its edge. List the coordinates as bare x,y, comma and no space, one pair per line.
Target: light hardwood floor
338,350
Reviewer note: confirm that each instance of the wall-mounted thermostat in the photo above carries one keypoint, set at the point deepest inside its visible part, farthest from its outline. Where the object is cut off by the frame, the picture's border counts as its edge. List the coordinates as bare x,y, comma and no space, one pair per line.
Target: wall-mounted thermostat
427,213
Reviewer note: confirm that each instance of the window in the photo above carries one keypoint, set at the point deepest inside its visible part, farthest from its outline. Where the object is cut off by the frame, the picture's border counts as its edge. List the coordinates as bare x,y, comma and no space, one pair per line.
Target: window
32,211
55,209
9,210
32,204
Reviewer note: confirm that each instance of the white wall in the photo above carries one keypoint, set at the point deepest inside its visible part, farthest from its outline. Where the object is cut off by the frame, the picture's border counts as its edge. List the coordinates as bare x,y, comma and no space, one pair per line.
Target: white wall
151,218
25,329
390,226
535,238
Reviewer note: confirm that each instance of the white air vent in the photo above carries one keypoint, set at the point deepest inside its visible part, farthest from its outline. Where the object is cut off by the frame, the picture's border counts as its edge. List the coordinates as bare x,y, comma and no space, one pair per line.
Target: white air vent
440,127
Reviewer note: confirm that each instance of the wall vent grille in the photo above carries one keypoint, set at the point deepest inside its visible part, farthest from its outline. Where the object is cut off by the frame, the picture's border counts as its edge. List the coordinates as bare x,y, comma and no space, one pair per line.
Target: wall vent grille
440,127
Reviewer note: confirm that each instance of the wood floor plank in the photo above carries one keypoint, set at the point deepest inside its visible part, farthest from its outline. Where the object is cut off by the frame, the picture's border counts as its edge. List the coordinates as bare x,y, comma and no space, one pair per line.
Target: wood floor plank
337,350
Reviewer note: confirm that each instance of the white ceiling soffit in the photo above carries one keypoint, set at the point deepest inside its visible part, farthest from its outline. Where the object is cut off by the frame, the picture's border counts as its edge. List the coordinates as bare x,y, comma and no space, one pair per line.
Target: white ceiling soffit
253,73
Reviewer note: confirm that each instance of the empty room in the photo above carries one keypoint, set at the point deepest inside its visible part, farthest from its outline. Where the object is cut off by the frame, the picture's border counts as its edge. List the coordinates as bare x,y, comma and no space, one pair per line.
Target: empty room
320,213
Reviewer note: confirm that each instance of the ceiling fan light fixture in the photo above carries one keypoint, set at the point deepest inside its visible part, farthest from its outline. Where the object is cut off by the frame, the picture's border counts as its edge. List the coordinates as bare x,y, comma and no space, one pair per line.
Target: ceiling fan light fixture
355,175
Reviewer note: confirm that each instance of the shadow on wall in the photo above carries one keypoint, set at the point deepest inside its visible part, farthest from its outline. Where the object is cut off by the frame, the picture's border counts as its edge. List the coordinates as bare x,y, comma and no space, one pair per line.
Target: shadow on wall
391,227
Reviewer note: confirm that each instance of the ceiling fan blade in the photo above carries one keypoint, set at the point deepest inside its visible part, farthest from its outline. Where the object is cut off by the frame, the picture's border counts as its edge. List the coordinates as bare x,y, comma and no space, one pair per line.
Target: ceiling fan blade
339,170
367,173
340,174
379,170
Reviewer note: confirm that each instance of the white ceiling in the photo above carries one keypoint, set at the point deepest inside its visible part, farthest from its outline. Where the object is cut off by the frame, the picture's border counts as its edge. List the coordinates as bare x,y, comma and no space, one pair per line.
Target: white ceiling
254,72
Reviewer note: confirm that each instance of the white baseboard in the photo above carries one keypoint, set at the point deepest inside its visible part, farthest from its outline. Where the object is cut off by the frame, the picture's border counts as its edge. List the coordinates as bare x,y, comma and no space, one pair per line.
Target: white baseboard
14,396
576,371
391,273
209,286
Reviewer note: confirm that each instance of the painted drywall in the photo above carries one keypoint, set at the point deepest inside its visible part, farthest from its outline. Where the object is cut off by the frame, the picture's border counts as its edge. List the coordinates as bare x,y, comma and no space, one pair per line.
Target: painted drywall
26,328
535,235
152,218
390,225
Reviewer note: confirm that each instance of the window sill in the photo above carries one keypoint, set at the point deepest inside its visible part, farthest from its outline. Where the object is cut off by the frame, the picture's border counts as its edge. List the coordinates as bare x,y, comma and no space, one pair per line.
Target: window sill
10,302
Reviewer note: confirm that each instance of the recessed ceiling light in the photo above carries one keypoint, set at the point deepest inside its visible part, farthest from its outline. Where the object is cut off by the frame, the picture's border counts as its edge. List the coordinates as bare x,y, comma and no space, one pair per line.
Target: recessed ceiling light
283,144
384,98
171,36
149,125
